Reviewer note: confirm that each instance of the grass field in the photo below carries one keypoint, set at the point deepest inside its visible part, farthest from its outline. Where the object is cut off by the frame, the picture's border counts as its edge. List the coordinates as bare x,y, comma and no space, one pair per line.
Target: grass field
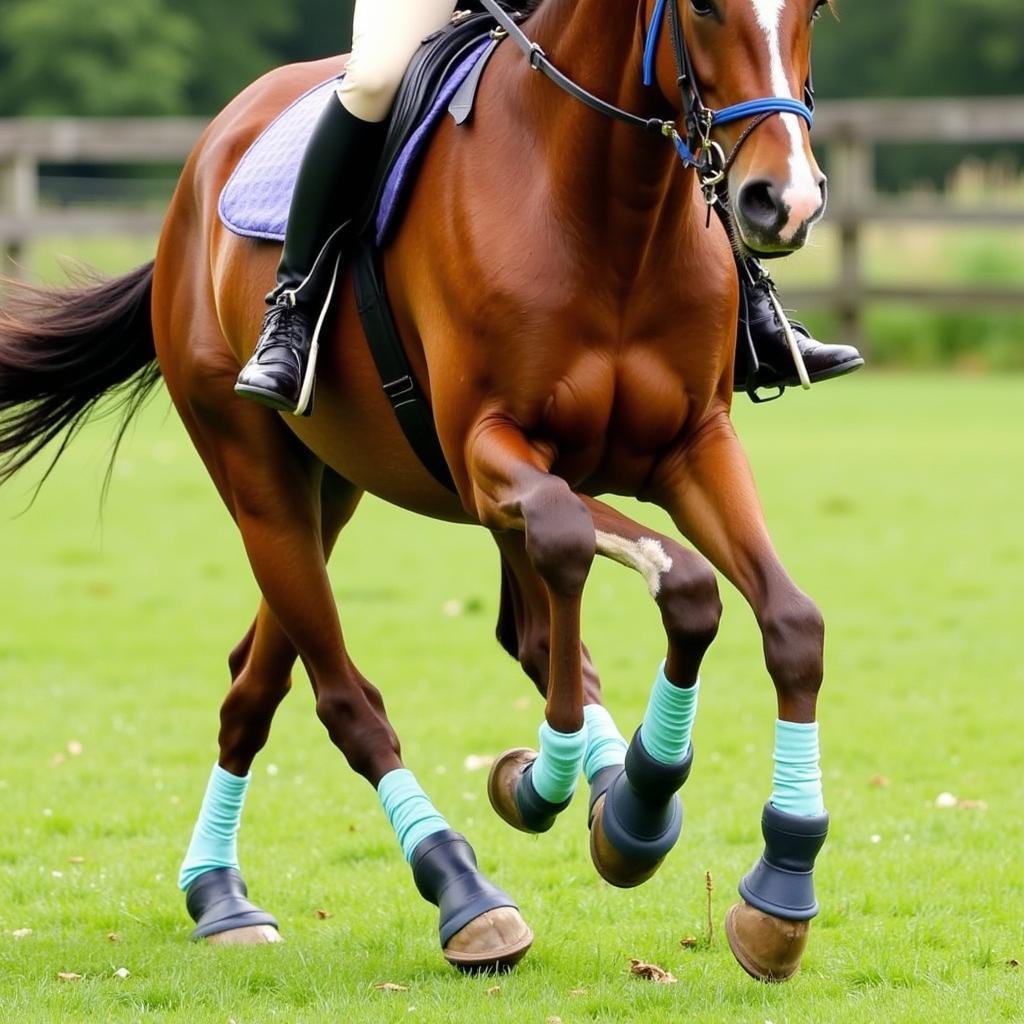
895,500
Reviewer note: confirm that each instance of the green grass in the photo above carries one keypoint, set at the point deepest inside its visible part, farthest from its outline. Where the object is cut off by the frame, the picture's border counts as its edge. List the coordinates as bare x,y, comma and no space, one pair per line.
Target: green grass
894,501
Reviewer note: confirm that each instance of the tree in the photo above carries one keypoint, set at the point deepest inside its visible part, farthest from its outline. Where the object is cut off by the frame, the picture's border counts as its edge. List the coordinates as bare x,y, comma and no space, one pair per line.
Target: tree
94,57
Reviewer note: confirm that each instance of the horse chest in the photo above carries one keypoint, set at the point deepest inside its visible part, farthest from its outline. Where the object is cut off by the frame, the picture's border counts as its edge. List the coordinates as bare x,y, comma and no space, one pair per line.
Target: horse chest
609,404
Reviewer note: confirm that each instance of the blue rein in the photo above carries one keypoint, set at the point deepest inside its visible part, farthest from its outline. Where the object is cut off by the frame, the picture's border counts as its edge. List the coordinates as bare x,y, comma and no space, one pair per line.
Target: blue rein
727,115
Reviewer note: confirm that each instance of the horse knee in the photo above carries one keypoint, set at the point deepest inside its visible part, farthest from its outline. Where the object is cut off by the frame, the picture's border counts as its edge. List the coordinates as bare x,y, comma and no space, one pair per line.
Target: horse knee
794,641
560,538
690,606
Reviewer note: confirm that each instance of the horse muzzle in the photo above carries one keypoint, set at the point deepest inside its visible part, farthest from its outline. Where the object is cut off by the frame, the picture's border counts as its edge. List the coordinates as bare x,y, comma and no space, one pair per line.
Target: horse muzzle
775,219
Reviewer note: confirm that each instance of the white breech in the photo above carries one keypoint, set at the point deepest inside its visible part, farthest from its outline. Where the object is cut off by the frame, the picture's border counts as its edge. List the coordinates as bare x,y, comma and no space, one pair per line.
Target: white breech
385,35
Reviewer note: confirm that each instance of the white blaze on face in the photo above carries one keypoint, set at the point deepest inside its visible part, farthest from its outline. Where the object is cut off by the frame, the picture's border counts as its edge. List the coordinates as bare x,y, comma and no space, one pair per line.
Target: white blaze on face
801,193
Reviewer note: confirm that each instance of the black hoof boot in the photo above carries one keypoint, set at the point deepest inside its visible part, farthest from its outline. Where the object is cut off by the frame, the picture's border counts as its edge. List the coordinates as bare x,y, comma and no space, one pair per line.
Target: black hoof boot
480,926
636,815
781,883
281,371
217,903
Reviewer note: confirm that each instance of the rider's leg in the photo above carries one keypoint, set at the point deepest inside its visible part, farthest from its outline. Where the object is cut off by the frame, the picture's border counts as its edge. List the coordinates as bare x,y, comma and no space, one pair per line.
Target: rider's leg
336,172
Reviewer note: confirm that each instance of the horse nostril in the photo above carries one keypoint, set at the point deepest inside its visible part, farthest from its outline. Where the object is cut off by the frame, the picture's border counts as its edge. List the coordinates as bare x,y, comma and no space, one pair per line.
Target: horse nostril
761,206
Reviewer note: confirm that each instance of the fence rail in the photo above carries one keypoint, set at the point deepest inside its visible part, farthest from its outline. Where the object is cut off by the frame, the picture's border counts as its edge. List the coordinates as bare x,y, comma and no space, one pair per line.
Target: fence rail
852,130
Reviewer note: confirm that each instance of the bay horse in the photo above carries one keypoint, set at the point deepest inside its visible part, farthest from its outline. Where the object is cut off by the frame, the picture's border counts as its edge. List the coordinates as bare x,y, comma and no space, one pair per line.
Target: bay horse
569,307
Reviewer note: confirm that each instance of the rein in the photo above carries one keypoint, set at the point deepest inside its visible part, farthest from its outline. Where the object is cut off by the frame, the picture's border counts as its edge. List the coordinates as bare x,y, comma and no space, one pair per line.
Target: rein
696,149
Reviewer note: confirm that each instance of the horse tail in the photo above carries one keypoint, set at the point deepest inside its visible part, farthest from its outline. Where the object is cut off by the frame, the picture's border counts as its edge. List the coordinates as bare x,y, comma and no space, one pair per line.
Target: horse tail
62,352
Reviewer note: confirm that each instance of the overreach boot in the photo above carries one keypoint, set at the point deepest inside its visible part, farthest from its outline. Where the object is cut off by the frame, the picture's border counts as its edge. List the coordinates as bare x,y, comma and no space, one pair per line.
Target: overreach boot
763,355
333,179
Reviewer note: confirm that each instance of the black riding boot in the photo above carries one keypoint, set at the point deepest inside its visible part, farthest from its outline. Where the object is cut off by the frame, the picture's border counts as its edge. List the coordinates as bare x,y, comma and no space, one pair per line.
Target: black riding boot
336,172
763,355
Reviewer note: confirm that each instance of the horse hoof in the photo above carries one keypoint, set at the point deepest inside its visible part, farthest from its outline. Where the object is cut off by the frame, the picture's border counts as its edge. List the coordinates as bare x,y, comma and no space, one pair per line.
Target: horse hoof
767,948
495,941
255,935
614,867
502,782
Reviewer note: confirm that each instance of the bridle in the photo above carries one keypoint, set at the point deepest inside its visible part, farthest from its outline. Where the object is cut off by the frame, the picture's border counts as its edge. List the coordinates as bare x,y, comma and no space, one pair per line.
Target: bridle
695,147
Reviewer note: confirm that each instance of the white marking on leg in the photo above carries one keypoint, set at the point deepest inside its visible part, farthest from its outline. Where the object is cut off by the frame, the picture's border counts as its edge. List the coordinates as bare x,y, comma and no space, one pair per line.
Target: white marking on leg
801,193
645,555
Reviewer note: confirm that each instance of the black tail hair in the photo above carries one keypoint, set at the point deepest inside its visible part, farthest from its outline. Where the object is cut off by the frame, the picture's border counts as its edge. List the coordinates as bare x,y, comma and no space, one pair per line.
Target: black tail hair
63,351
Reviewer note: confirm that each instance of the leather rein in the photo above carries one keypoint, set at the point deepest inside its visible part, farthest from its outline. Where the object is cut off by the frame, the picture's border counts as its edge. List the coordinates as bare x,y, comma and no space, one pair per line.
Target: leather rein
695,146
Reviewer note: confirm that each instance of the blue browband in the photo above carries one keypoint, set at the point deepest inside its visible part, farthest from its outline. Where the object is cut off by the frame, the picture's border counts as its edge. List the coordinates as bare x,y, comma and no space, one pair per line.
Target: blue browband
727,115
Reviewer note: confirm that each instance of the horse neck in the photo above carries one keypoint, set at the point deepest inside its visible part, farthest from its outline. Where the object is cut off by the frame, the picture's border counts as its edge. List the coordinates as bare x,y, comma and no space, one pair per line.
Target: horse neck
619,189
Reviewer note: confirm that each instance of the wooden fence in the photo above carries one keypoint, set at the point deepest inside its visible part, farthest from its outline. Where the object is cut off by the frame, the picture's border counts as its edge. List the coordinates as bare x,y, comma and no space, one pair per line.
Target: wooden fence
852,131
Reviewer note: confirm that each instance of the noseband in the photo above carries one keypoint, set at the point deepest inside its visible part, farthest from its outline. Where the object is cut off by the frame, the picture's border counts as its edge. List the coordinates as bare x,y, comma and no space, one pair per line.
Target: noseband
695,148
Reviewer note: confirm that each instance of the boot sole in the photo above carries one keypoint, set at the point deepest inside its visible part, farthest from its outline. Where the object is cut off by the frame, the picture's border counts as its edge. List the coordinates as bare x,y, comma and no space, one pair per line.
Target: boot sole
261,396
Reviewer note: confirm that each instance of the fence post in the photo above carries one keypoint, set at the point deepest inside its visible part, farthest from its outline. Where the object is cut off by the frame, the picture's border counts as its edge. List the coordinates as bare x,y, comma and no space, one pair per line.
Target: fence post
854,177
22,187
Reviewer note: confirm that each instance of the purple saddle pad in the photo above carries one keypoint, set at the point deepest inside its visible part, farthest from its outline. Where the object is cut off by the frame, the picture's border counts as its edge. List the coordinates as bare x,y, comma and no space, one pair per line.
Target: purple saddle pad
256,198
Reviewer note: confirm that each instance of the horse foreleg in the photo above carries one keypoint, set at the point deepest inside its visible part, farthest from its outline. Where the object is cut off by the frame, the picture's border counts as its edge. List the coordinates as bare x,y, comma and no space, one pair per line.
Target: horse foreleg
512,491
707,488
636,813
524,630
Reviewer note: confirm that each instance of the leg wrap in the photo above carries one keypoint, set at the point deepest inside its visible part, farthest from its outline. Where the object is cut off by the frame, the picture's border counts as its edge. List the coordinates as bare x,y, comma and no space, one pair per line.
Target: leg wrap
217,902
537,813
643,814
444,869
781,883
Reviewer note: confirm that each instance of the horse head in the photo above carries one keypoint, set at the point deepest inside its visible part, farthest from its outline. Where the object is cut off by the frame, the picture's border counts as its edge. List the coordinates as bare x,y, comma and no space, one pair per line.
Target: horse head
739,72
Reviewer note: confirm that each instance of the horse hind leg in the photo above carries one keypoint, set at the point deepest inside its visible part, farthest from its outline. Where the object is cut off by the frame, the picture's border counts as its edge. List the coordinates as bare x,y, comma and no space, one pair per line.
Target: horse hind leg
260,667
636,813
270,483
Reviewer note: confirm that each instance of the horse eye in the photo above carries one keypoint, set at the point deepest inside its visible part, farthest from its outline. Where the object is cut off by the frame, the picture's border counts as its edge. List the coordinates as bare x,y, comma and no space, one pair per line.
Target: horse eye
818,8
702,8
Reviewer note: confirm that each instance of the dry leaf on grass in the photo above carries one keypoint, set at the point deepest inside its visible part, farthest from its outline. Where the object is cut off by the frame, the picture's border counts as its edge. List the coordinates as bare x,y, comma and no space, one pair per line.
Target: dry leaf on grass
113,937
689,942
946,800
390,986
474,762
879,781
651,972
554,1020
577,991
322,915
75,748
494,990
122,973
22,933
68,976
76,860
1013,963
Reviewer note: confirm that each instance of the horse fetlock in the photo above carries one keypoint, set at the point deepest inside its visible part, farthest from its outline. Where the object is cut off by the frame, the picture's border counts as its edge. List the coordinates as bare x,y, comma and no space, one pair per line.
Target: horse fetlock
362,734
781,883
446,874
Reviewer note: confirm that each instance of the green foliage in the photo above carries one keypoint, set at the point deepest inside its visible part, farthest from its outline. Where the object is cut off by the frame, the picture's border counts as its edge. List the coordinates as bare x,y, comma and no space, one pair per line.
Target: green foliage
94,57
159,56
